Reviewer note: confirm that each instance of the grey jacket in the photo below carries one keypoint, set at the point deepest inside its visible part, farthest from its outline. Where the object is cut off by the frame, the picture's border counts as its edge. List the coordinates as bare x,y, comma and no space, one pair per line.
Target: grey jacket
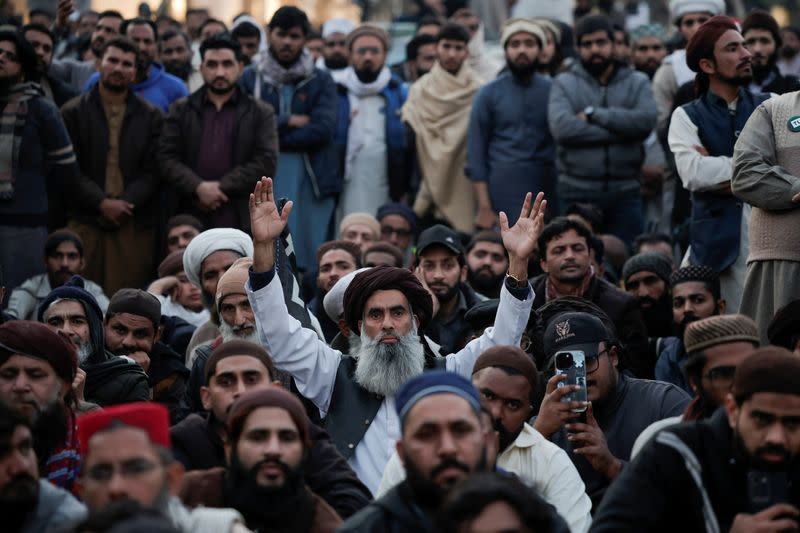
609,146
55,509
23,304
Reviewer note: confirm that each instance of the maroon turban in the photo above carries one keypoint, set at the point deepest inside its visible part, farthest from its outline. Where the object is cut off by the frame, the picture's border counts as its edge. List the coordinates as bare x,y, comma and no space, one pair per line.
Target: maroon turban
701,45
386,278
34,339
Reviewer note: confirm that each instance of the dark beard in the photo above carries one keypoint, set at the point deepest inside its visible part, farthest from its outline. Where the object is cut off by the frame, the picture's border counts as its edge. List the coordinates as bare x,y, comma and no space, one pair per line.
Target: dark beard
658,317
754,461
287,508
427,493
181,70
760,72
522,72
7,82
487,284
18,499
505,436
649,71
452,292
596,69
50,432
114,88
788,53
336,62
226,90
367,75
680,329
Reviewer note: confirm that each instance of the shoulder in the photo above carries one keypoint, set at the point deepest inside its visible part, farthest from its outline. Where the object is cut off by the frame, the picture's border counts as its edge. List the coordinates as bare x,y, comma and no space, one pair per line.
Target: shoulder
644,389
372,518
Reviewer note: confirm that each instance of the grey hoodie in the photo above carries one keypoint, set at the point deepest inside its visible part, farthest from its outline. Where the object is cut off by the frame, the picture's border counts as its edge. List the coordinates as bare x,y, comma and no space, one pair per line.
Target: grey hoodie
55,510
609,146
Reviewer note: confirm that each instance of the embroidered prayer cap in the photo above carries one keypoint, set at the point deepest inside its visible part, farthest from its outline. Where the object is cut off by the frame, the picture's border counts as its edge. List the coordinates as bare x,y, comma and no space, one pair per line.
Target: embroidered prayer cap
516,25
371,30
720,329
699,273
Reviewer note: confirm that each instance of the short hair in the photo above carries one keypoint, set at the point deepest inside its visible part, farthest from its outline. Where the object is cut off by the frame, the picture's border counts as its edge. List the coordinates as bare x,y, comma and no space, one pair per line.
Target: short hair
453,31
597,245
39,11
590,212
87,13
221,42
650,238
592,23
41,28
184,220
139,21
212,21
625,35
245,29
559,226
314,35
413,46
110,13
386,248
288,17
485,236
124,44
350,247
428,20
171,34
26,56
792,29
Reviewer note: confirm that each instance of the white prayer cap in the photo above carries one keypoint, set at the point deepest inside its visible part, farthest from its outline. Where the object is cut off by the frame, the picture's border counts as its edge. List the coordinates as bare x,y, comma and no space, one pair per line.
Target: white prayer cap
332,26
334,300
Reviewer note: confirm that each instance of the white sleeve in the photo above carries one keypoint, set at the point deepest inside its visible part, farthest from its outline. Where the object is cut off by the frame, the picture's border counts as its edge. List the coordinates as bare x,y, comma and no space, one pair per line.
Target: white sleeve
697,172
565,490
509,325
293,348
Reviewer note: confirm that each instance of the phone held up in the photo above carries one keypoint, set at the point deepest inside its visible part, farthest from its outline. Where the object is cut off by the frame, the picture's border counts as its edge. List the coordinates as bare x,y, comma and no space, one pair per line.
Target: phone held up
572,363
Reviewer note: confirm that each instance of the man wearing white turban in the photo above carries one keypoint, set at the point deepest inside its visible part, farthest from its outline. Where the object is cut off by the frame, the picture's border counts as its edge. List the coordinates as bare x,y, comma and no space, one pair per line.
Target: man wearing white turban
206,259
335,54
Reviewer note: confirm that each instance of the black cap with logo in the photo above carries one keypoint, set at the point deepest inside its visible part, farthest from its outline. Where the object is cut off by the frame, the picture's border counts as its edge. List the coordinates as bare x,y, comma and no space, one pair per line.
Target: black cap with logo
439,235
574,331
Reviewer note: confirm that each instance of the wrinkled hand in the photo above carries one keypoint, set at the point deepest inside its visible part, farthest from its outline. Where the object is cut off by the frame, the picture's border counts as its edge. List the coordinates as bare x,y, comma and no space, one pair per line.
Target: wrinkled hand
554,411
210,196
590,442
78,384
520,240
486,218
298,121
421,277
266,222
142,359
113,211
779,517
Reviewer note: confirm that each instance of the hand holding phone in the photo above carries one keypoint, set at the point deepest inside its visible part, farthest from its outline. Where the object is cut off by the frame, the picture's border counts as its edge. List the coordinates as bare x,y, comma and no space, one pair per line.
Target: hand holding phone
554,411
572,364
779,517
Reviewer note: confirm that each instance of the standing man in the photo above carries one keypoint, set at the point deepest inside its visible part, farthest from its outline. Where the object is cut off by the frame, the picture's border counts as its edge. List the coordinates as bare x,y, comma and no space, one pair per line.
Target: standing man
437,113
43,42
767,176
113,200
487,263
789,63
420,58
218,142
370,135
648,48
34,148
702,135
175,51
599,113
151,81
505,111
762,37
336,54
304,100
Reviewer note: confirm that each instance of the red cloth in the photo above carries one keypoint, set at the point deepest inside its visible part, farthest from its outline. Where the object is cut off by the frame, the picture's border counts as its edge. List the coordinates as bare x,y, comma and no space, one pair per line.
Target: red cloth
151,417
62,467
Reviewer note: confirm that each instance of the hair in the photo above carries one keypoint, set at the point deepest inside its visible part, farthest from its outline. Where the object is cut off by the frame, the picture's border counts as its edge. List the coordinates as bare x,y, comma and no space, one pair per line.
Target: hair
428,20
413,46
41,28
171,34
139,21
124,44
221,42
39,11
626,36
10,420
559,226
592,23
55,239
469,498
758,19
314,35
650,238
110,13
246,29
485,236
453,31
350,247
590,212
212,21
792,29
288,17
184,220
597,245
25,54
386,248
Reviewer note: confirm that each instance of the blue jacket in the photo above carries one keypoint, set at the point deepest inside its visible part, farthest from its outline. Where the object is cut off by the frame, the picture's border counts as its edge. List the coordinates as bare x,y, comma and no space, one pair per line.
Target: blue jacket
669,363
395,94
314,96
160,88
715,228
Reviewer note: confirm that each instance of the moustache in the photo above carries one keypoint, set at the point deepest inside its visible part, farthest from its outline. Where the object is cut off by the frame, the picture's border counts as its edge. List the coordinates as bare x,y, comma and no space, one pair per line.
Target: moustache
746,63
246,325
569,264
270,461
647,301
774,449
449,463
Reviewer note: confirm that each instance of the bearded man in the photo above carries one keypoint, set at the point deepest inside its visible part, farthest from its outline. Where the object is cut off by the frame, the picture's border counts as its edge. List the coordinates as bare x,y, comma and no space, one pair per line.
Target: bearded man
646,277
390,307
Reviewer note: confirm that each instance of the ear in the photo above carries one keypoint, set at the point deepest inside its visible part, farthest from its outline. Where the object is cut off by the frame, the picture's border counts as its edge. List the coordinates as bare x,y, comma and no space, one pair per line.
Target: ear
175,472
732,410
416,320
344,329
360,325
205,398
159,331
543,265
463,273
707,66
722,305
613,356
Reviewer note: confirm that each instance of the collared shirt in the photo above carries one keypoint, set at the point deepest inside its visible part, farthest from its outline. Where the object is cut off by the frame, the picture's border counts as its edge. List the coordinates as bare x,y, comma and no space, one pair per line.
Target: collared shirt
23,304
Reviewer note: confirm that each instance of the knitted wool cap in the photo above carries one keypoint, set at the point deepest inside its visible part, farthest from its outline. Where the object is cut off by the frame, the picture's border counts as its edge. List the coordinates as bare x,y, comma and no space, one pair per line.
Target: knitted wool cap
361,218
516,25
716,330
653,262
233,280
371,30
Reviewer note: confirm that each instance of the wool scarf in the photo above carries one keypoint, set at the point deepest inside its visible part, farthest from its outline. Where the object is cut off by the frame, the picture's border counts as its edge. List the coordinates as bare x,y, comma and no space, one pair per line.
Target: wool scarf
12,123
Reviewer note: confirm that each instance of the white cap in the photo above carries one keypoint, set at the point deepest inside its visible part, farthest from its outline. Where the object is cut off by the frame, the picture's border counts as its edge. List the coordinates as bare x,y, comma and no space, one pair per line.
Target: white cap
342,26
333,303
679,8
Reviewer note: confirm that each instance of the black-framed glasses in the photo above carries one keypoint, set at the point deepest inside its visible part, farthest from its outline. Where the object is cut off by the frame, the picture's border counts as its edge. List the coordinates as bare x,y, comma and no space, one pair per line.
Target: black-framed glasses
387,231
593,363
720,374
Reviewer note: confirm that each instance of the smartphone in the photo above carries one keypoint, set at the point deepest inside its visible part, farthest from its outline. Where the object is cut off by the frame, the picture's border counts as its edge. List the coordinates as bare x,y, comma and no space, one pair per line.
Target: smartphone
572,364
765,489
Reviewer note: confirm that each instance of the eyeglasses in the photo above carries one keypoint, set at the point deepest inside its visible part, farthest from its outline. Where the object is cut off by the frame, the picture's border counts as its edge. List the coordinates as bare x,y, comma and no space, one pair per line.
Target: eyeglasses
388,231
133,468
593,363
720,374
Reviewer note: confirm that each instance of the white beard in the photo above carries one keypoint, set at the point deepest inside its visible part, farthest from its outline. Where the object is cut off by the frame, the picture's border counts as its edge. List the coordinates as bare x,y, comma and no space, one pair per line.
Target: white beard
84,351
230,333
383,368
354,341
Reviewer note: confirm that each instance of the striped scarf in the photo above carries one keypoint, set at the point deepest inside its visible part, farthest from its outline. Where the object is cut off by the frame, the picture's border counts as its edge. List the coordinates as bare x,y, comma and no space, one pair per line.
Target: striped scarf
63,466
12,122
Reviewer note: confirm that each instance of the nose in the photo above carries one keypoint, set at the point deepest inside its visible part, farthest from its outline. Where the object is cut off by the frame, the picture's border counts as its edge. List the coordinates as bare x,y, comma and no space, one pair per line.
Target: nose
272,446
776,435
447,445
388,322
240,317
21,383
240,388
117,487
17,464
641,290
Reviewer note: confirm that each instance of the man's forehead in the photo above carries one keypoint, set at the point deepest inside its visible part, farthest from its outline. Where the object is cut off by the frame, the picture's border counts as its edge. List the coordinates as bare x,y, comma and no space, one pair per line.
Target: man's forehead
500,382
220,258
333,256
488,246
778,404
386,298
183,228
131,321
64,308
690,288
239,364
440,409
234,299
275,418
729,37
129,442
18,360
37,35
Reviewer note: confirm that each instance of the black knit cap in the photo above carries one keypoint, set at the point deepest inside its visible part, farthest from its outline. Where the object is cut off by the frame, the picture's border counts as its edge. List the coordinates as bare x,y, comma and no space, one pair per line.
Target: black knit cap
653,262
136,302
771,369
71,290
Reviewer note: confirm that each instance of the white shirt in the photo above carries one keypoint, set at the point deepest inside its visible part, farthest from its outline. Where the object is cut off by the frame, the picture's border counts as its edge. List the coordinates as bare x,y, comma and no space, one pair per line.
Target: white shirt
172,308
539,463
313,365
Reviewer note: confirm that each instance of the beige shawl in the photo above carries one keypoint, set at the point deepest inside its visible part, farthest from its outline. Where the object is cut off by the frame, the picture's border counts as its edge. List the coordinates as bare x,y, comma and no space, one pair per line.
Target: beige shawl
438,109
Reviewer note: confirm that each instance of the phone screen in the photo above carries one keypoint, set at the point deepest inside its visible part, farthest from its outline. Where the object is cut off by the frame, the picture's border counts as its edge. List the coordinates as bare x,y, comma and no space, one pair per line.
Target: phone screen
573,365
765,489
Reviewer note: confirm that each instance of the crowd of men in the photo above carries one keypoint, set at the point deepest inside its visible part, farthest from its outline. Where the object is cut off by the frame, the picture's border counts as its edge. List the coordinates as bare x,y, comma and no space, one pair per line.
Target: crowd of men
254,278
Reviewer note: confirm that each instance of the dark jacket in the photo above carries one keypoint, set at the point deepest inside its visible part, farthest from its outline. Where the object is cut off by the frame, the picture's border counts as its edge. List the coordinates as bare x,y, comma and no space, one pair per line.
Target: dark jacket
455,332
314,96
254,146
394,96
87,125
206,488
199,447
395,512
658,491
624,311
168,376
62,91
779,84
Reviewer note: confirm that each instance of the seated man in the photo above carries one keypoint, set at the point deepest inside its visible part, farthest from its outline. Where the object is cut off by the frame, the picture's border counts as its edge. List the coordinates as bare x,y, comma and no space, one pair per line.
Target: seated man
359,228
334,260
176,294
127,456
74,313
63,257
181,229
268,441
383,253
619,407
239,366
398,226
391,308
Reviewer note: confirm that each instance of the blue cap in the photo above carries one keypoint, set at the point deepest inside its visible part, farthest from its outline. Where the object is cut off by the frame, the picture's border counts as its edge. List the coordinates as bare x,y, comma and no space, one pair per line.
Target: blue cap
71,290
398,209
435,382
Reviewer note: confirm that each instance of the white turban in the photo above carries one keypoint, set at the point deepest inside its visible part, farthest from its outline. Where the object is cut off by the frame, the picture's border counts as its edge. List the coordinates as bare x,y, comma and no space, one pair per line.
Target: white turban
679,8
333,302
210,241
342,26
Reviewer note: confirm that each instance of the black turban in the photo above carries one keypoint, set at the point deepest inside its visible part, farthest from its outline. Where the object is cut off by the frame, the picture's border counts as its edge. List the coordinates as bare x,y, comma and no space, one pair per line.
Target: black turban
386,278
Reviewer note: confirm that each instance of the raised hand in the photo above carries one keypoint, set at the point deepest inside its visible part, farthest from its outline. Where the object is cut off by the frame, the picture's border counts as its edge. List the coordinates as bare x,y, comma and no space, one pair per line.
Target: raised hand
521,239
266,222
